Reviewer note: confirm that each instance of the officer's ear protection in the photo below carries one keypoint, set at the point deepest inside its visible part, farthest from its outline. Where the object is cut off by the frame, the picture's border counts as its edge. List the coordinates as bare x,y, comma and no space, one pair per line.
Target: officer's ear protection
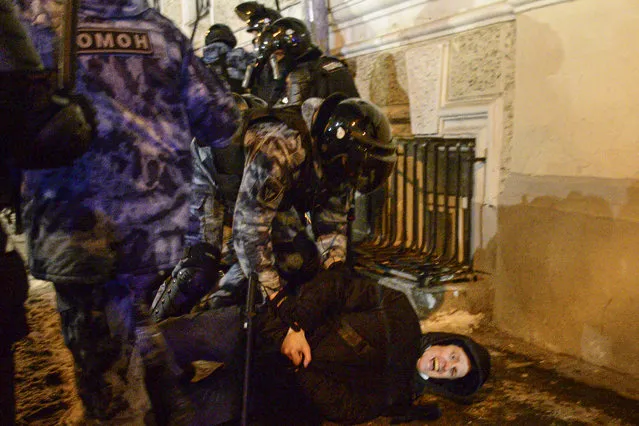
324,113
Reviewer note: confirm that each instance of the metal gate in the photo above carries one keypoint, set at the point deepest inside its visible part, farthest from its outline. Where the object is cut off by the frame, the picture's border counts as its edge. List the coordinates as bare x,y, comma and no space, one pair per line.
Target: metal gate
420,226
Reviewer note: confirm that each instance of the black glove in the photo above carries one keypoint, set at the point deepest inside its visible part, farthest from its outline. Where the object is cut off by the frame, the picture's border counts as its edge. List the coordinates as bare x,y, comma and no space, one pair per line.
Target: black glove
51,131
283,304
192,278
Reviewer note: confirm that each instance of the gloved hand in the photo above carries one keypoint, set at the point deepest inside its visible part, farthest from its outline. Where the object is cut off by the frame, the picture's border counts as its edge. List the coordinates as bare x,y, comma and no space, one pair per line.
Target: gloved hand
283,304
53,132
194,276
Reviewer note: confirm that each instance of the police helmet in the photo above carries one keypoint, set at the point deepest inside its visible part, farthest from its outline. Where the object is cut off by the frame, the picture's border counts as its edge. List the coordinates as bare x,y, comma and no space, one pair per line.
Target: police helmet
256,15
220,33
355,143
288,35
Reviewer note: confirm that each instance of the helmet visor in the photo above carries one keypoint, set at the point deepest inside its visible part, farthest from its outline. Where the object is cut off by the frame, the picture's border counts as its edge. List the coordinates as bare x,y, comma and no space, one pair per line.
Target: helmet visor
365,168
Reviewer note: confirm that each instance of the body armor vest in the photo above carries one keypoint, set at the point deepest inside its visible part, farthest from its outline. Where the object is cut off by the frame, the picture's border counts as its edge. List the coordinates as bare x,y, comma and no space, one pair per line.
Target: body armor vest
229,162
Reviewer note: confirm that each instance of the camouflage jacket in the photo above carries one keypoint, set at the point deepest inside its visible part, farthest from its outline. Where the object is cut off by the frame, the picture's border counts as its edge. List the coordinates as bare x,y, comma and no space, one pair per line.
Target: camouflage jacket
235,60
276,167
123,206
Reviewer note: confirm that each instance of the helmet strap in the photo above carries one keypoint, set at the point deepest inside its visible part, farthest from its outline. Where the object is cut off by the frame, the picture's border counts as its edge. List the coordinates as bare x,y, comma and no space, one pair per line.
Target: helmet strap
248,76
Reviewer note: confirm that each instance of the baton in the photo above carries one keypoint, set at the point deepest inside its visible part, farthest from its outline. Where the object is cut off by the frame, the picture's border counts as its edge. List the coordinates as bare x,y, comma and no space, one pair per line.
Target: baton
248,326
67,64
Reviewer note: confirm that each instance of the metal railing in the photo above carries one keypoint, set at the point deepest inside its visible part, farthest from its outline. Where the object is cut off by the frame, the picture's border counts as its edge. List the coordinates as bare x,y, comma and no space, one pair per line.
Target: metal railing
420,230
202,6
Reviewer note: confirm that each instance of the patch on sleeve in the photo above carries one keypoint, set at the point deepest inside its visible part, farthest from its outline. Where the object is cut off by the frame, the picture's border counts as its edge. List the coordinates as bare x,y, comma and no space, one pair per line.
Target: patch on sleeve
271,190
332,66
111,40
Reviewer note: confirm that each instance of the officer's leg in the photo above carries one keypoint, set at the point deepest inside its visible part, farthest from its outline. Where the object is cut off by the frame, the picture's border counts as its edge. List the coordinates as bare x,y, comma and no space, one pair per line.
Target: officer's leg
13,325
98,328
206,216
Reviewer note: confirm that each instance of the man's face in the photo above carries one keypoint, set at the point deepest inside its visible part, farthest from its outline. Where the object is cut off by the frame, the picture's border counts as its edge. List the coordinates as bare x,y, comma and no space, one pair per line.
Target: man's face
444,362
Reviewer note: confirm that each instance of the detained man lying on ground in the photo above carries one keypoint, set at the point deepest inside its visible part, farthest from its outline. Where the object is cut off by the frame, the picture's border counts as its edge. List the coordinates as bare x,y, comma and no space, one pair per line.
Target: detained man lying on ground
340,348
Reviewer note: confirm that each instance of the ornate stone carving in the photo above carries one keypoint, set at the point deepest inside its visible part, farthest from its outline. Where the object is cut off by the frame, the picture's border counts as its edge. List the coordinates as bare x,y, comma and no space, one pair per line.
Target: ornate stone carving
424,71
475,64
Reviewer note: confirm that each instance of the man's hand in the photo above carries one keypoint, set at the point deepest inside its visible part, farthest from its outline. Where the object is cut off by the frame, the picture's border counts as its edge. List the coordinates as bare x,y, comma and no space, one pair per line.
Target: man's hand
296,348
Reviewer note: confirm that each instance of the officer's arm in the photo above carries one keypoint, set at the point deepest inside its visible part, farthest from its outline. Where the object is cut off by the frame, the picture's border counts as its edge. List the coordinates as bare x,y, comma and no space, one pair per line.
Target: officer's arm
267,177
329,226
212,114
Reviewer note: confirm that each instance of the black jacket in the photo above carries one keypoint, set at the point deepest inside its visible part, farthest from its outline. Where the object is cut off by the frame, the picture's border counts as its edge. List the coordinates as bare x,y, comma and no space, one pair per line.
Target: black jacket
364,338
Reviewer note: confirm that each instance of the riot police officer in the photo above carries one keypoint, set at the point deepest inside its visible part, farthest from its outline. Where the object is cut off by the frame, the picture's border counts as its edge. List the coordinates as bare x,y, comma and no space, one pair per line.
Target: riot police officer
299,66
257,17
216,179
39,129
300,171
221,55
104,228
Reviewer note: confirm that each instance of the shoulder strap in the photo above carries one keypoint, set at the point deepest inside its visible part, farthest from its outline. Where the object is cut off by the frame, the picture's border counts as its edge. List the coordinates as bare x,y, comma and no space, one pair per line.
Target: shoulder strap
329,64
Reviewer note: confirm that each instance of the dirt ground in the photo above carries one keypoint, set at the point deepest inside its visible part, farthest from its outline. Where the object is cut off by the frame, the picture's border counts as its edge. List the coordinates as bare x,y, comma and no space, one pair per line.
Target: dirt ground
45,389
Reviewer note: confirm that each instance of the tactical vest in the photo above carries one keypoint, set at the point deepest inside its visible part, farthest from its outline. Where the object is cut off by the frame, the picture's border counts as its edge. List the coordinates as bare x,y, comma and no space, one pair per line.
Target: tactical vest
318,77
229,162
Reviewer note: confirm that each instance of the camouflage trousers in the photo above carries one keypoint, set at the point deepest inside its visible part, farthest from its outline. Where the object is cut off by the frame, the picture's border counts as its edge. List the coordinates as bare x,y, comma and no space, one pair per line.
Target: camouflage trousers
297,258
206,217
99,328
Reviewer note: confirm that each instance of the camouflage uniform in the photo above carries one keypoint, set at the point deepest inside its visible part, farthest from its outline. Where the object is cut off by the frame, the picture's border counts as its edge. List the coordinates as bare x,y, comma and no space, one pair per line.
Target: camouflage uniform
280,184
207,214
103,228
228,63
319,76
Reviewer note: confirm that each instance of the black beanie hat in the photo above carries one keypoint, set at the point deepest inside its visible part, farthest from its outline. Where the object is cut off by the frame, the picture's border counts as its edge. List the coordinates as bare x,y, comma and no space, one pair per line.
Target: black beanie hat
458,389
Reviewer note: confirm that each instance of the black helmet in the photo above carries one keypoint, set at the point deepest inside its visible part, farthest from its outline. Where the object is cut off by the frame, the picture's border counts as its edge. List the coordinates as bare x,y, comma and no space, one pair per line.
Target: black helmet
355,142
220,32
255,15
292,37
